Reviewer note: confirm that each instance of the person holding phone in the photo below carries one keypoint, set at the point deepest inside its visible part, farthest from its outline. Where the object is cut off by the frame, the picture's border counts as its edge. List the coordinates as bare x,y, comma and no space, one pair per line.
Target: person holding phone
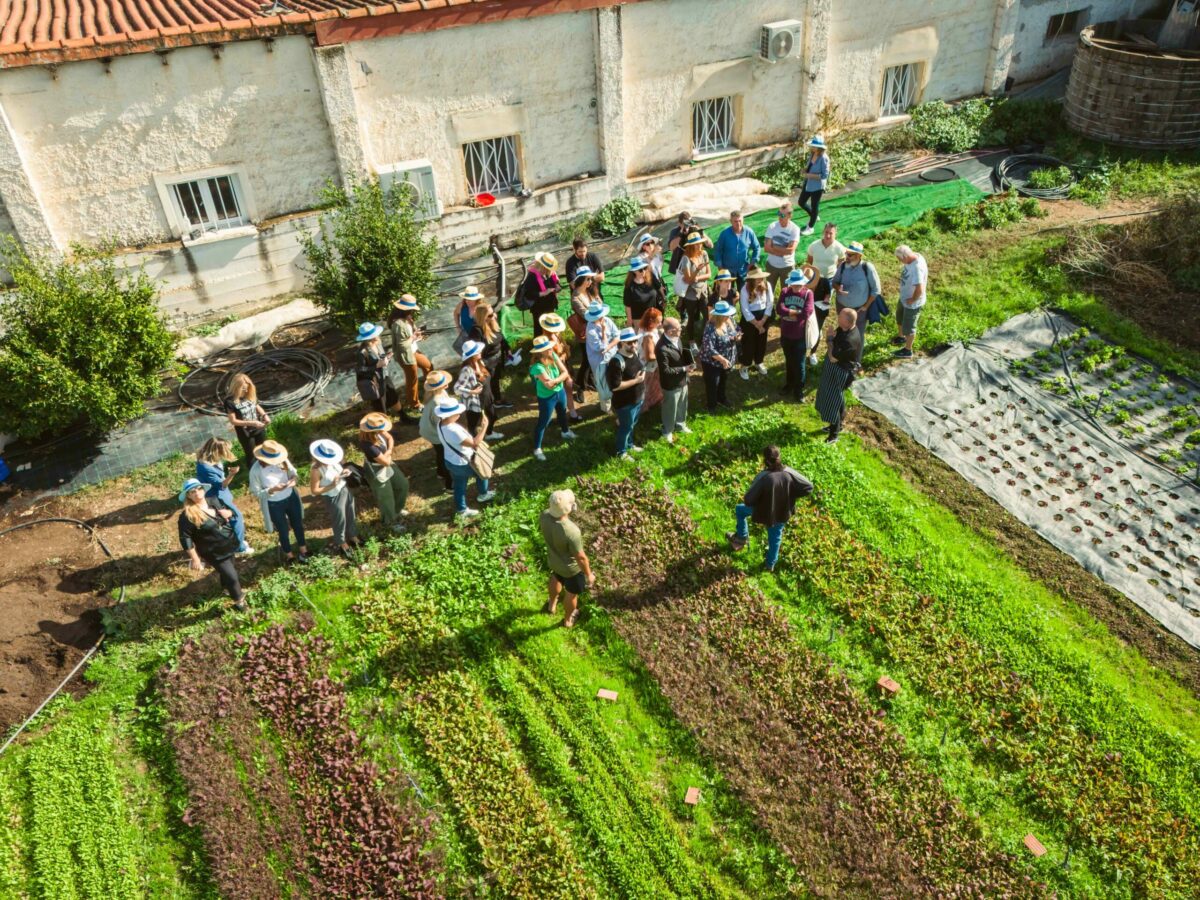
371,375
246,415
328,481
389,485
719,353
216,478
675,365
273,480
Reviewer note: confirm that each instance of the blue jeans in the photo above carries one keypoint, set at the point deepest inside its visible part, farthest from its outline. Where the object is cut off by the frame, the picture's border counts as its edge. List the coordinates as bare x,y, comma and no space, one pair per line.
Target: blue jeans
627,417
284,513
796,365
238,521
462,476
774,532
554,405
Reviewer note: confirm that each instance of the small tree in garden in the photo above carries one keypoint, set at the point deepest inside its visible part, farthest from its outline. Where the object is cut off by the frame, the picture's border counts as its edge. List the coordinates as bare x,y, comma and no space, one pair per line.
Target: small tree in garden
83,342
369,249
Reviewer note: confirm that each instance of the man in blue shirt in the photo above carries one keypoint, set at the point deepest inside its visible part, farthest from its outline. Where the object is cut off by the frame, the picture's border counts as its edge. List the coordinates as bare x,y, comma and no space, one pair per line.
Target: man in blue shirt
737,248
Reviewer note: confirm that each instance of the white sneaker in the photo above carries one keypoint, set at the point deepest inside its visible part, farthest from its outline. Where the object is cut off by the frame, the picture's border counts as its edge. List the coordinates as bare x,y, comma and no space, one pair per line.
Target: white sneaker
669,438
484,498
246,550
634,448
625,457
569,435
812,360
468,513
762,369
744,373
539,455
806,230
683,429
496,436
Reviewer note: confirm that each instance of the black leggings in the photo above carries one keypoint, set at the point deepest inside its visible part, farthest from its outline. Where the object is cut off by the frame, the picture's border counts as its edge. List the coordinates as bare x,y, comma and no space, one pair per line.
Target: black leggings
250,441
715,378
754,344
810,202
227,575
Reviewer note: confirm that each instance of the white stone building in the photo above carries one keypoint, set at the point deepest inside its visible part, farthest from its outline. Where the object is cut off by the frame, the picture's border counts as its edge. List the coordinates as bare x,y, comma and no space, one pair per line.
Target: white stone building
198,134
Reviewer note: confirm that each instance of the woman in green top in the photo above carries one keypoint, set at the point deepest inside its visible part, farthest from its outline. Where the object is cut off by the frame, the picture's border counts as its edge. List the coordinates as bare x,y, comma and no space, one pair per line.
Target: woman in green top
548,374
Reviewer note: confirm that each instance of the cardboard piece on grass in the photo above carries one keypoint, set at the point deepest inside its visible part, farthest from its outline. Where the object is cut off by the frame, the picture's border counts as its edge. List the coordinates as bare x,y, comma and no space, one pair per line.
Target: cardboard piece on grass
606,694
1034,846
692,797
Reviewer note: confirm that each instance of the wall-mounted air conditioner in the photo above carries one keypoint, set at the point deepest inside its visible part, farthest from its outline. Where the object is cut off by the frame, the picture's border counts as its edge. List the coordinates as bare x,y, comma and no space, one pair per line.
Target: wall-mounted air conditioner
417,177
780,40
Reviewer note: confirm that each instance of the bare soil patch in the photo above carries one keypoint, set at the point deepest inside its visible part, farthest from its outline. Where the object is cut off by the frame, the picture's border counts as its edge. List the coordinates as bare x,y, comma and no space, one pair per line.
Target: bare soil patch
48,611
1041,560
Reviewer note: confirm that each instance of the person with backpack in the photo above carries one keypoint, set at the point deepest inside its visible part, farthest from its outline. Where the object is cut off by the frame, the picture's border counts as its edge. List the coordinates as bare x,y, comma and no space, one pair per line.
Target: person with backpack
770,501
856,286
539,291
626,378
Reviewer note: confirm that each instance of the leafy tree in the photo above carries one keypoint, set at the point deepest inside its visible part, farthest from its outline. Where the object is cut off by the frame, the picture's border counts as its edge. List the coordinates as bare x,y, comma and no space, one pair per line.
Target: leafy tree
369,249
83,342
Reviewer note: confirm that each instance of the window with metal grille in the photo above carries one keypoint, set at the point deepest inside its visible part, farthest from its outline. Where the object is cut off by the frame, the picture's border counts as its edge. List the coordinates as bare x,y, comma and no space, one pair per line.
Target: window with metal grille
208,205
492,166
899,90
1066,24
712,126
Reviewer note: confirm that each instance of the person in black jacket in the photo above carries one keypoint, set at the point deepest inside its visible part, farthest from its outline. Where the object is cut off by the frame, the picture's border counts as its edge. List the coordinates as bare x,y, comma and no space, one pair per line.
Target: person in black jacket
770,501
581,257
206,532
675,364
841,365
643,290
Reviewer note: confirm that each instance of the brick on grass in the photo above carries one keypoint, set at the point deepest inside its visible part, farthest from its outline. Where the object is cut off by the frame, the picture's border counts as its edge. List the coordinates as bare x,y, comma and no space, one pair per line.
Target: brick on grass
606,694
1034,846
887,687
692,797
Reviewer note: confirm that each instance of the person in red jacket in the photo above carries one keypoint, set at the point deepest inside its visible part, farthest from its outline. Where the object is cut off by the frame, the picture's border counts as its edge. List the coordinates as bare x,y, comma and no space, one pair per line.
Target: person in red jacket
770,501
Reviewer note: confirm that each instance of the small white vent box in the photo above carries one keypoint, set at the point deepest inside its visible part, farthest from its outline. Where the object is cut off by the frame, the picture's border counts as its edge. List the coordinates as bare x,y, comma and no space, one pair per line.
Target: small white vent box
417,174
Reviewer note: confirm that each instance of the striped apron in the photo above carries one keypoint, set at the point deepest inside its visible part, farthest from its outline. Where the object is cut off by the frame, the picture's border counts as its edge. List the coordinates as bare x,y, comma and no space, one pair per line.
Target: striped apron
831,400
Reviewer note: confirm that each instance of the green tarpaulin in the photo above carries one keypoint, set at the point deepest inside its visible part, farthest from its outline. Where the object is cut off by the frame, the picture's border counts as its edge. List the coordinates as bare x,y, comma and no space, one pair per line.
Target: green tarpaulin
859,217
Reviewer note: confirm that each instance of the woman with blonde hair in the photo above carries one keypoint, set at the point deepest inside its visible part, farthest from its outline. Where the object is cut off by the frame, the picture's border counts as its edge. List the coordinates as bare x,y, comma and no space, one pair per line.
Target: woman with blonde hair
211,472
758,306
541,286
273,480
405,335
388,484
486,331
553,327
692,277
206,533
373,359
549,376
246,415
649,331
327,480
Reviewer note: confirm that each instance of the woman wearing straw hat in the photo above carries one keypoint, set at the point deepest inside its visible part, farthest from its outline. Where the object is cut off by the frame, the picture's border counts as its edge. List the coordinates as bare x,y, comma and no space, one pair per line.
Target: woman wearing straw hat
643,290
583,295
856,286
436,383
570,569
496,351
206,532
553,327
273,480
211,471
328,481
246,415
692,284
718,353
405,335
542,286
549,376
816,177
464,313
757,305
473,388
388,484
372,366
602,341
724,288
795,309
626,377
650,249
460,445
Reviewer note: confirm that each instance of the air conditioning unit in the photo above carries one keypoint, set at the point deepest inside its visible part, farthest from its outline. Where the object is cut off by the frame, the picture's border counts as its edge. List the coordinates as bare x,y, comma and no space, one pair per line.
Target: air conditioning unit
417,177
780,40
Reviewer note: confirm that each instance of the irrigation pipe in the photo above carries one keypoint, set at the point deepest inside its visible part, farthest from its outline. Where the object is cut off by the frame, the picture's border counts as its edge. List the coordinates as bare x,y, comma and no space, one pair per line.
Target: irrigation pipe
91,651
314,367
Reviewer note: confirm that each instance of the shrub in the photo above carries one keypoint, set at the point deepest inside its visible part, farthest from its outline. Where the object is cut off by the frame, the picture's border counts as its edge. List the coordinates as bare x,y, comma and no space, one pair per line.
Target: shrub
947,129
83,341
613,218
1050,177
848,160
369,248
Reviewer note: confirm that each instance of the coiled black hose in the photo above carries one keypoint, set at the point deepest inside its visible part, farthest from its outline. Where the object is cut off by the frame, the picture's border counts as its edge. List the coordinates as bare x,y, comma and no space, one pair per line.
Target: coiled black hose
1014,171
315,368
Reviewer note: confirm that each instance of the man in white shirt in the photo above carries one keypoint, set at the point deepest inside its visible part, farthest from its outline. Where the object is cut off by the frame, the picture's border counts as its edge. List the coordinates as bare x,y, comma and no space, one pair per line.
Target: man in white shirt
824,255
914,281
780,242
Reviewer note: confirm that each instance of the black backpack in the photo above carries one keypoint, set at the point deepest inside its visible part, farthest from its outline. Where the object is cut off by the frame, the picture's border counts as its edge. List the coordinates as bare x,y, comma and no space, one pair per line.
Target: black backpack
525,296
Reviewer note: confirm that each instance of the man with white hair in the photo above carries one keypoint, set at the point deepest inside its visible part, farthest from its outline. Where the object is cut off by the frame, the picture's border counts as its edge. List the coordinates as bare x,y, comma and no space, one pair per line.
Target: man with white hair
914,279
570,569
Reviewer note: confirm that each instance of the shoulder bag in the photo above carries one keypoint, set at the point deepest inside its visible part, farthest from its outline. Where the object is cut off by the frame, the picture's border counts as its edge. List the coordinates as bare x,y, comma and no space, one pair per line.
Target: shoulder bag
483,461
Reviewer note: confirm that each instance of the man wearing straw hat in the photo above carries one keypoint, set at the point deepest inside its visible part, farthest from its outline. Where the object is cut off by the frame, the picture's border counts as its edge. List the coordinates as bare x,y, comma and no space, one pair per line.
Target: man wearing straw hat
570,569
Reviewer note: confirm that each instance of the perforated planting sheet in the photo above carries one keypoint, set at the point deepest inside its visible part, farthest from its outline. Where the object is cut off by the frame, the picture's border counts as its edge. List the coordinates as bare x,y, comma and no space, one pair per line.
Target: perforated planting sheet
1093,448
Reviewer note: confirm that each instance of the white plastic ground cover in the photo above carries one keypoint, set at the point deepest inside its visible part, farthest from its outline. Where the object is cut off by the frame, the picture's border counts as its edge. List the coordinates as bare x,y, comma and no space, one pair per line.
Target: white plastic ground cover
1071,478
710,200
247,333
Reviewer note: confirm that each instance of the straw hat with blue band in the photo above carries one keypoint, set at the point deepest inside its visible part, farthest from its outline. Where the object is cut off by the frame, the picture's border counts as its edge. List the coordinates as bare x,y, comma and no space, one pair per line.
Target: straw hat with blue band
190,485
722,309
583,272
471,293
471,349
724,275
796,278
437,379
817,141
446,410
375,422
368,331
552,323
596,312
855,247
272,453
627,335
407,303
638,263
542,344
326,451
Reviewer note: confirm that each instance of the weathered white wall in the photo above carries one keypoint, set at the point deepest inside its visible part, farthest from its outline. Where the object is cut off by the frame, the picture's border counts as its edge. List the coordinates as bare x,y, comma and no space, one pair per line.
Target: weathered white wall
1033,57
868,37
672,48
6,232
93,142
410,89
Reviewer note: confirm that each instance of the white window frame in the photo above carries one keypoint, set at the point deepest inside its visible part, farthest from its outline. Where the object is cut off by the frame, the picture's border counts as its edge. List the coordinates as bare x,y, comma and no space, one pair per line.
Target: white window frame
714,127
499,161
1079,19
901,89
215,227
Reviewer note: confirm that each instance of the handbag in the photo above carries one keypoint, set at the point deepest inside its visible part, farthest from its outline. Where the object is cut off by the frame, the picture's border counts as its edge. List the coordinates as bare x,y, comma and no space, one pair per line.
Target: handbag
812,334
483,461
577,325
